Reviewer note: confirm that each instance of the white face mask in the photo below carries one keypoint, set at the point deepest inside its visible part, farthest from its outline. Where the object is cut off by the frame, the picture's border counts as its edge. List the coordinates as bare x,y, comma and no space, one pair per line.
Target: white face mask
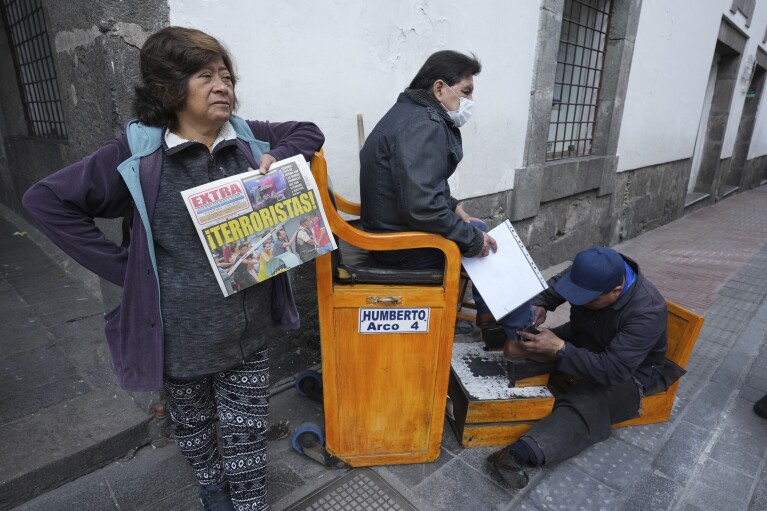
465,107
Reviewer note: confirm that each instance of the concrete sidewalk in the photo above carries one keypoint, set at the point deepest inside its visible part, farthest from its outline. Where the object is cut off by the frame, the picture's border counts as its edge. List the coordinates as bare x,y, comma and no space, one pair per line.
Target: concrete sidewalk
710,456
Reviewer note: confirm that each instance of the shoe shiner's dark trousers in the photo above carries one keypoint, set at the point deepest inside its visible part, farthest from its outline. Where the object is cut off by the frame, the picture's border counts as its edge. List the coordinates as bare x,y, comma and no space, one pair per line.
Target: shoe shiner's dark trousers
240,396
582,417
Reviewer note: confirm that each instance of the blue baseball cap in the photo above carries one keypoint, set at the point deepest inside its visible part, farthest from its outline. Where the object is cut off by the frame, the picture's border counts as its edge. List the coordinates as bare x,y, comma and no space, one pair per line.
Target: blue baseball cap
594,272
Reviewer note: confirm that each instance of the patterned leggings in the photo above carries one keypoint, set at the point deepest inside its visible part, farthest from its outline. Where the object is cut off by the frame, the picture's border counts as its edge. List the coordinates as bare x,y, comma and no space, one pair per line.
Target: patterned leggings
241,398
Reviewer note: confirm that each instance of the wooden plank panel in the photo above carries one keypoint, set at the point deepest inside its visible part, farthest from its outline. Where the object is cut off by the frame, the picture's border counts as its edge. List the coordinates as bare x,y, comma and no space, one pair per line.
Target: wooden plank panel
533,381
509,410
369,460
655,408
386,387
685,340
495,434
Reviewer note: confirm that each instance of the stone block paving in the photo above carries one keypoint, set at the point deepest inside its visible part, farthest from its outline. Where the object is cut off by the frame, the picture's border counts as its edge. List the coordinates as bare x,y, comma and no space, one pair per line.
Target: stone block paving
51,375
709,456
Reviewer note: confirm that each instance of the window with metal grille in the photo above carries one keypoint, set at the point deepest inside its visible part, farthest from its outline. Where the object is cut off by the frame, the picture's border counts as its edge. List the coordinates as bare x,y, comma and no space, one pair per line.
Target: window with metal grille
25,25
582,45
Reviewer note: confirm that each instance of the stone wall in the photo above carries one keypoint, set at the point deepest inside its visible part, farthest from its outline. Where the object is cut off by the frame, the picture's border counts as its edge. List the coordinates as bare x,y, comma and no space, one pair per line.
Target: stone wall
641,200
95,47
648,198
96,59
756,171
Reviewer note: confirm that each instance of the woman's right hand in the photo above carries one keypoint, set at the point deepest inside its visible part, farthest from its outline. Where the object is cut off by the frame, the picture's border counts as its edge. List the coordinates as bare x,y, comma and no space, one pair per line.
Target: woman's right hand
266,162
539,315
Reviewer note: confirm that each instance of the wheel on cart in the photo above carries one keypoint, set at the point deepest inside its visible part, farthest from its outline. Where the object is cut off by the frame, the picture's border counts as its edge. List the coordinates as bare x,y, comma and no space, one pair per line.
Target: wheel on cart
309,384
306,436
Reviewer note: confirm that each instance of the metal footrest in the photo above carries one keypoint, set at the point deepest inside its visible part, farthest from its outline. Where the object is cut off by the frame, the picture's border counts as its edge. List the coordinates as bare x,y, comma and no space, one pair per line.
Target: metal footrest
360,489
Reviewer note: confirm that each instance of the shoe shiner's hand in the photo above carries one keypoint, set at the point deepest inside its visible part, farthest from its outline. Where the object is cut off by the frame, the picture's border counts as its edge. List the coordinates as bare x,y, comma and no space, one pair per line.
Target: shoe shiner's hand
513,348
539,315
543,346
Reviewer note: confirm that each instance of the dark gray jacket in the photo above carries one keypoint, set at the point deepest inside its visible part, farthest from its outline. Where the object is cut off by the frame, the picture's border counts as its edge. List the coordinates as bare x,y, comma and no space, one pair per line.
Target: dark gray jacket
404,167
65,203
612,345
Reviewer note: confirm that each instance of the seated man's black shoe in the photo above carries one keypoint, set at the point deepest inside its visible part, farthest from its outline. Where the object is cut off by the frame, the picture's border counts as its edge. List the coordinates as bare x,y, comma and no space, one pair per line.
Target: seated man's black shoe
760,407
485,320
505,464
494,337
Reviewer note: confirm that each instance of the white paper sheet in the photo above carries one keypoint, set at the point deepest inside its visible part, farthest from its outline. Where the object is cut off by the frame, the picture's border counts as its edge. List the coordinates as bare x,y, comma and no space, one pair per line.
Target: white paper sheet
507,278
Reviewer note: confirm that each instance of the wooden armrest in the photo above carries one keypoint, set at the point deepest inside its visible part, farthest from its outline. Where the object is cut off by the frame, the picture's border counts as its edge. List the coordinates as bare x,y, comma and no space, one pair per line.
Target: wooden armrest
377,241
347,206
683,329
343,205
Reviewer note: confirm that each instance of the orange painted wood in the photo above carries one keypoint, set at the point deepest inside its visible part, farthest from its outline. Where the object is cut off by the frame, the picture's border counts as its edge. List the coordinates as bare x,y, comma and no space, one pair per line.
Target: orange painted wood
347,206
655,408
509,409
493,434
534,381
683,329
384,394
469,410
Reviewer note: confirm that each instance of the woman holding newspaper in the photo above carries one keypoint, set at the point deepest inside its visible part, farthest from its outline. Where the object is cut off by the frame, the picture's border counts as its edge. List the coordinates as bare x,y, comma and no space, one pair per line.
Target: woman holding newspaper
173,328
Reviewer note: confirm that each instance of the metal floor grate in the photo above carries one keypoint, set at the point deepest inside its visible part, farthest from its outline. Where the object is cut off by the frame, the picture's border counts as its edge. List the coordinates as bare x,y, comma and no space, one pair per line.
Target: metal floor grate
360,489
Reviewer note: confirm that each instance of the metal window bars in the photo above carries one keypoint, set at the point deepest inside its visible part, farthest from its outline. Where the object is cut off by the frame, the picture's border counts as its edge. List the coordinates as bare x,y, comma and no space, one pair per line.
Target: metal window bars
582,44
32,57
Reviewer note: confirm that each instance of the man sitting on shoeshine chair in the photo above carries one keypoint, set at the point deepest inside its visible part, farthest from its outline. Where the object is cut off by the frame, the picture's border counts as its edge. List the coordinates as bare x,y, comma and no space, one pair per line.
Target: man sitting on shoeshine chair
614,345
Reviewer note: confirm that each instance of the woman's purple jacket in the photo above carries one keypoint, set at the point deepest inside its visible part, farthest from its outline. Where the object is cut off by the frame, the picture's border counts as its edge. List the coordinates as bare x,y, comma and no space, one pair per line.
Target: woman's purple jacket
65,204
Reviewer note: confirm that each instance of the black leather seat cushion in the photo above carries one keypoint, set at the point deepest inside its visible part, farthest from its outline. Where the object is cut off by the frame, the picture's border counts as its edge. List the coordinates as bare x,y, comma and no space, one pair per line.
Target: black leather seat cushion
354,265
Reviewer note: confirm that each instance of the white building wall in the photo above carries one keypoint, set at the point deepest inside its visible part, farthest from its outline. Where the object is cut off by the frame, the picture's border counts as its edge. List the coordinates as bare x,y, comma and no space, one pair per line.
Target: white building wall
672,58
328,61
755,32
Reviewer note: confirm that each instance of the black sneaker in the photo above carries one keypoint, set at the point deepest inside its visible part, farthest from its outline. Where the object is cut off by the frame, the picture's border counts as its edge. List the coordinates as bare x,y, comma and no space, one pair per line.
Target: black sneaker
494,337
216,498
760,407
505,464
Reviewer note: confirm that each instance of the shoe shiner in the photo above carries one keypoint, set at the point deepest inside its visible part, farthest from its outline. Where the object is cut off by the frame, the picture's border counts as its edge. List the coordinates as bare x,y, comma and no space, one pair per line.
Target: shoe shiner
614,345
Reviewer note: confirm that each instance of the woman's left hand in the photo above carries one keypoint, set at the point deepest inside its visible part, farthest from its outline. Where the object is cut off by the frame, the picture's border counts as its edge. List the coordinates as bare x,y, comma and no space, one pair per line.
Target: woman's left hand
266,162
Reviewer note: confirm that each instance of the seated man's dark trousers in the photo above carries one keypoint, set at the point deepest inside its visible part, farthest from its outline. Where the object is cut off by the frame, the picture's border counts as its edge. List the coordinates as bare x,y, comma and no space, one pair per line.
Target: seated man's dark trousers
583,417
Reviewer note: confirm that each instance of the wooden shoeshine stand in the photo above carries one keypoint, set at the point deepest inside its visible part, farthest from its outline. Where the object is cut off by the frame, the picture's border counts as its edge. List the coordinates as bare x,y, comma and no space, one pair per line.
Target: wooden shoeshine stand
488,413
384,392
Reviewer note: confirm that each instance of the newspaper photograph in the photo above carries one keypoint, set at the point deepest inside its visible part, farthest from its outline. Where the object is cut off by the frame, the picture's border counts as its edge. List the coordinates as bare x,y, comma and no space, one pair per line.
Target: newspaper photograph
254,226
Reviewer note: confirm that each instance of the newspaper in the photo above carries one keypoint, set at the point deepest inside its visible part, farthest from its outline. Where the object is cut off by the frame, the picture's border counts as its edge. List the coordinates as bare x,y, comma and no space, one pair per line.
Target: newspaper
254,226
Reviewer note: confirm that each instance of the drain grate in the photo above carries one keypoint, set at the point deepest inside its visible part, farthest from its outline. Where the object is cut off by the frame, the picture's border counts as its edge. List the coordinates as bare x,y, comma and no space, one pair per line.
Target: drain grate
360,489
